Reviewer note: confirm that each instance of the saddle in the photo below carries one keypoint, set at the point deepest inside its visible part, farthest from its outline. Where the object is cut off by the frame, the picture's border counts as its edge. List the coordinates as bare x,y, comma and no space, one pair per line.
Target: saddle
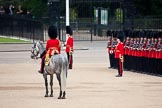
51,51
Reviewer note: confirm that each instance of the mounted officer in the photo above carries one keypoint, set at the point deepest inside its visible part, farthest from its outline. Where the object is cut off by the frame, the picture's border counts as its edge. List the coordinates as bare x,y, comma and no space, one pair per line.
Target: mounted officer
53,46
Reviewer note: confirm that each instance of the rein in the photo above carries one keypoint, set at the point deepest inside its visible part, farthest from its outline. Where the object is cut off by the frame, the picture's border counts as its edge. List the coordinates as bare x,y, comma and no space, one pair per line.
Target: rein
37,49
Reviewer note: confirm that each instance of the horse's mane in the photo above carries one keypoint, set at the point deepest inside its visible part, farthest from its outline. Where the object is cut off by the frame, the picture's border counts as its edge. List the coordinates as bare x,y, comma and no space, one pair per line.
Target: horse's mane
41,45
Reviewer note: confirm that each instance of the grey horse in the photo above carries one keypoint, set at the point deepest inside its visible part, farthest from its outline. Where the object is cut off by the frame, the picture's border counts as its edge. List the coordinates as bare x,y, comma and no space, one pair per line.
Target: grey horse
58,65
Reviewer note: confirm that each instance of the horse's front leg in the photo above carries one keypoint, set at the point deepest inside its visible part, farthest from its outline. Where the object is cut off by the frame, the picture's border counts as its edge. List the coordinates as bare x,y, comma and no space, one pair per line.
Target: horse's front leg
51,84
46,84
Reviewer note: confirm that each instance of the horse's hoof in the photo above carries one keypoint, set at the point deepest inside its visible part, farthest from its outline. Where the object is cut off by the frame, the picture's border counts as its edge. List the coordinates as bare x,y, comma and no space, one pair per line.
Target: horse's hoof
59,98
63,98
46,95
51,95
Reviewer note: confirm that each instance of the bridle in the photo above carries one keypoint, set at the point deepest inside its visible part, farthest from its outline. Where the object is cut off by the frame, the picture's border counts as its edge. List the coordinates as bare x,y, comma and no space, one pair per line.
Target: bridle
35,51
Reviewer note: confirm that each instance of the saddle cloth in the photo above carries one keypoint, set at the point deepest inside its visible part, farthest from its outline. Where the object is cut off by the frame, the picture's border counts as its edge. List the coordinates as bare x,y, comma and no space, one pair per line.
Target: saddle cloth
51,51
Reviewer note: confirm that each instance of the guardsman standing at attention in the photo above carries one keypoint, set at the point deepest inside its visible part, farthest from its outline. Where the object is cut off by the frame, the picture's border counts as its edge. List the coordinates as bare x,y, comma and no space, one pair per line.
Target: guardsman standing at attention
109,46
158,64
114,43
69,46
119,51
126,49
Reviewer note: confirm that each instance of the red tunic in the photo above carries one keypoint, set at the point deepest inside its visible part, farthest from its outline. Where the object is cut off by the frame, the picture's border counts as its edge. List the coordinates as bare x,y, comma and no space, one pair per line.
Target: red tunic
158,51
119,50
153,55
126,49
110,48
161,55
54,44
69,44
145,52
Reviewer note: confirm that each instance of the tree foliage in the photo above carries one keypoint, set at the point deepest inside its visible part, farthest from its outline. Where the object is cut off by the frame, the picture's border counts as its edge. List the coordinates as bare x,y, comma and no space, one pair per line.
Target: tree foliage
37,7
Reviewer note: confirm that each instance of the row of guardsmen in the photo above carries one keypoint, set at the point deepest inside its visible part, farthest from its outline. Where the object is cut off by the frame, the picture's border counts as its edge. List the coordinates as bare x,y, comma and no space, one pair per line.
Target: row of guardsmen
142,50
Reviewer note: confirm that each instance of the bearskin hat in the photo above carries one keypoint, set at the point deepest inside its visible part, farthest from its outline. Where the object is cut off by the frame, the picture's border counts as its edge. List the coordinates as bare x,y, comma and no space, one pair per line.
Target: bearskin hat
121,35
52,32
121,38
108,33
69,30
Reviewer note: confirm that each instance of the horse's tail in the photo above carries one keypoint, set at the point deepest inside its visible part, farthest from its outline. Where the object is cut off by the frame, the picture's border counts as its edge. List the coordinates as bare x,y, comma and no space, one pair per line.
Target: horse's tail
66,63
64,70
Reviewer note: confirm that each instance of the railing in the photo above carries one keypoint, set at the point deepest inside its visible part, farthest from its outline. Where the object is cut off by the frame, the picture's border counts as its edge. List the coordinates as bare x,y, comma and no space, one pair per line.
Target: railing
21,27
147,23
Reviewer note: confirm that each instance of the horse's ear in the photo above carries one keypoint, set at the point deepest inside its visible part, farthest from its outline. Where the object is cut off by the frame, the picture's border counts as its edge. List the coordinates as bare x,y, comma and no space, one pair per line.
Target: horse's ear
35,41
41,42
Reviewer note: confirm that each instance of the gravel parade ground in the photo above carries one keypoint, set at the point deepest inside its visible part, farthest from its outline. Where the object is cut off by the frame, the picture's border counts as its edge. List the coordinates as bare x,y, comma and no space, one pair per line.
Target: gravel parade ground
90,84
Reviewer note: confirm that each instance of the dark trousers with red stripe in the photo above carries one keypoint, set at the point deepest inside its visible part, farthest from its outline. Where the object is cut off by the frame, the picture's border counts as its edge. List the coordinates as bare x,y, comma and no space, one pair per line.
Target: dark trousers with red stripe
42,64
70,60
119,66
111,58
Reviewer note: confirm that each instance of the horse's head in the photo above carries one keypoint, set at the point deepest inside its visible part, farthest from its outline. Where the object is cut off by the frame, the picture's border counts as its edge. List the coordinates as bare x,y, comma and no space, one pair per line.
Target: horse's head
37,49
